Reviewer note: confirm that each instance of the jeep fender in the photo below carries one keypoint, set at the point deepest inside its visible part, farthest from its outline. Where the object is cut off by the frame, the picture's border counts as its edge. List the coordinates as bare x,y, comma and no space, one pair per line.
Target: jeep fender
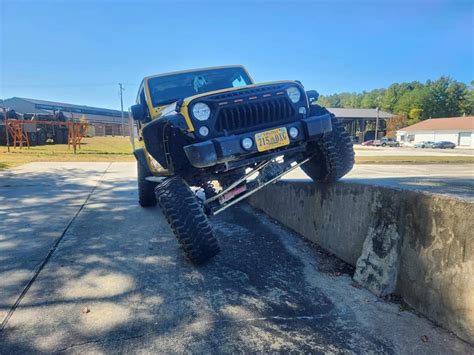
140,156
171,127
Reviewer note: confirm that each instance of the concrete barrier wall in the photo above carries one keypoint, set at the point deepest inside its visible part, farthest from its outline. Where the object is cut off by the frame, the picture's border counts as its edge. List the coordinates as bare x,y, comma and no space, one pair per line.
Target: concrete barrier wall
417,245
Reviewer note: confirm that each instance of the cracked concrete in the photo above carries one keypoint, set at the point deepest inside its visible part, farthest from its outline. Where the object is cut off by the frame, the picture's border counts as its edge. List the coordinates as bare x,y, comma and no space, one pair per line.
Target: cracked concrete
268,290
378,265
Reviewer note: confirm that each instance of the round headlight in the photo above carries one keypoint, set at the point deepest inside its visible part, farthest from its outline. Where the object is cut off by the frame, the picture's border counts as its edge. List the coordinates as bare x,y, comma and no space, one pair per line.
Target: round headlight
201,111
294,94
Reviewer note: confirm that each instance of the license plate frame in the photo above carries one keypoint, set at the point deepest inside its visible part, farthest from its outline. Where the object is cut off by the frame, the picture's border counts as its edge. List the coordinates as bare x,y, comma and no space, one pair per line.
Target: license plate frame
271,139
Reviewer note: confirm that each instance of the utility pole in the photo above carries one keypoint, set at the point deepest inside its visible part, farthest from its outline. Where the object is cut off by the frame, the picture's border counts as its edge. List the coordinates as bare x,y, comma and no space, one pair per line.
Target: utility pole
377,124
6,128
121,109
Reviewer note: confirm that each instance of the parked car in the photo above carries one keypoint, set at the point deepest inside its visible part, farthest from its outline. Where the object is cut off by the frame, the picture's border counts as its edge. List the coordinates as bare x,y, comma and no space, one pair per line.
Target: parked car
384,142
369,142
424,144
444,145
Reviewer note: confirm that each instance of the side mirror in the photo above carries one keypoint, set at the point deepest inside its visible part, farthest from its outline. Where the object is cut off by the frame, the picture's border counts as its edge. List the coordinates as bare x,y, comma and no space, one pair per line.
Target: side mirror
312,95
138,112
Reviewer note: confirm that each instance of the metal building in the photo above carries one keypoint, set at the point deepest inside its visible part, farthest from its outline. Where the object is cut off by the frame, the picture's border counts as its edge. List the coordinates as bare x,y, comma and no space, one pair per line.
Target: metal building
360,122
102,121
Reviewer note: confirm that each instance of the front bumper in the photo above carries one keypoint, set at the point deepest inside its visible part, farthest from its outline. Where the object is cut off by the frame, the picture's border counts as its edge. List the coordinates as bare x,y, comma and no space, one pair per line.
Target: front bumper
225,149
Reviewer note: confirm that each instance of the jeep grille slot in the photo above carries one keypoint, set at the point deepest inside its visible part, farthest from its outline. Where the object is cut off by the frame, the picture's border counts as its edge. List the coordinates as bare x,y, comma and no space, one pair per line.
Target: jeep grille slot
246,92
253,114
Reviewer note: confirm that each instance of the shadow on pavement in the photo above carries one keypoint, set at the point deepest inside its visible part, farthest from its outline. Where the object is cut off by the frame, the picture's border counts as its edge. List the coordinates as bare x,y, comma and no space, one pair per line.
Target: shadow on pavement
118,282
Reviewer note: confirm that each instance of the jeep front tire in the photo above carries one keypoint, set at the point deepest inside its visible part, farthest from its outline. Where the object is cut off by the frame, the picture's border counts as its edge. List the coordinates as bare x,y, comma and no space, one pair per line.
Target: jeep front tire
187,220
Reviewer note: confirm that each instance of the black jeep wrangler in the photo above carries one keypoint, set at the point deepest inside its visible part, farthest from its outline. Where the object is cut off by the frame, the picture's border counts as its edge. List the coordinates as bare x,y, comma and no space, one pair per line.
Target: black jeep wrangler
227,137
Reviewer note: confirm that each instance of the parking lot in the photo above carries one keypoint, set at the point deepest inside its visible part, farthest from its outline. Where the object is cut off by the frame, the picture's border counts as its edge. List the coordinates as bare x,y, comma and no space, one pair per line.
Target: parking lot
368,151
84,269
455,180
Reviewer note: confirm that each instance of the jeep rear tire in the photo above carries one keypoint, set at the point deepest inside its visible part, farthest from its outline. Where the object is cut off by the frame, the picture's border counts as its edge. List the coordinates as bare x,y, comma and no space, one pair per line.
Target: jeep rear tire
65,136
58,137
33,139
334,152
42,137
146,189
187,220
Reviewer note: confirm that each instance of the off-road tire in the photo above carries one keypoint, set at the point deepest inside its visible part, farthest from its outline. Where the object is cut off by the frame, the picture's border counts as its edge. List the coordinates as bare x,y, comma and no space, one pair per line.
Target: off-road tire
146,189
42,137
334,152
65,136
187,220
33,139
58,137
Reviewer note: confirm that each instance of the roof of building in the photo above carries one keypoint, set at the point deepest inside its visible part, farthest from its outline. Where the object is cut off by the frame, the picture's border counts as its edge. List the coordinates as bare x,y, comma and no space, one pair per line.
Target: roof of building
45,103
443,124
367,113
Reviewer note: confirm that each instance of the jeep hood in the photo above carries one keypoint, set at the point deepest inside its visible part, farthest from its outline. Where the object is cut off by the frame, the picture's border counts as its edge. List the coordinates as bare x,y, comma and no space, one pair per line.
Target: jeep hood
191,98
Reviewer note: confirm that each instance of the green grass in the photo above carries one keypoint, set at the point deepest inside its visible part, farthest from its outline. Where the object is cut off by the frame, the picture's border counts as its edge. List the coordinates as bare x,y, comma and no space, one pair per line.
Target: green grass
94,145
94,149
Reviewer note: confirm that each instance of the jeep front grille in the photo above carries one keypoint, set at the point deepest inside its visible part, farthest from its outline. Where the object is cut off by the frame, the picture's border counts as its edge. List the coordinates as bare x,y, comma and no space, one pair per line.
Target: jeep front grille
254,114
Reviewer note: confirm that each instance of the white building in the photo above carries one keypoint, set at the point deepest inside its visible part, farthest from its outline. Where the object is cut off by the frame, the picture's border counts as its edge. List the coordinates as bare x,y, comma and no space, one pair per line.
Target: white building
459,130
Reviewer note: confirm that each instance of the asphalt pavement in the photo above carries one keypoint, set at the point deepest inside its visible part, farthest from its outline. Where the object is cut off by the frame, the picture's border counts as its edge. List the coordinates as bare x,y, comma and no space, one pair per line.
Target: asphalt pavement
84,269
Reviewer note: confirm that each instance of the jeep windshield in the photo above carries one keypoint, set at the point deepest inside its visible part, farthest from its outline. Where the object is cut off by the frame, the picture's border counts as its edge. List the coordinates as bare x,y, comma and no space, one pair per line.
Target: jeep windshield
166,89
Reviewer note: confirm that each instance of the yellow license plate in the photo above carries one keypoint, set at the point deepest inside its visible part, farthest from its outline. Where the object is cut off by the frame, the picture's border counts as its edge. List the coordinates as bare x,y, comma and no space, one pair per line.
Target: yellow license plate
274,138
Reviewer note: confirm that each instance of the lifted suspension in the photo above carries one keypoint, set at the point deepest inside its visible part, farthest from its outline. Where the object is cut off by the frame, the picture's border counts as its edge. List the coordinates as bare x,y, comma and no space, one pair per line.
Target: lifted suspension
269,172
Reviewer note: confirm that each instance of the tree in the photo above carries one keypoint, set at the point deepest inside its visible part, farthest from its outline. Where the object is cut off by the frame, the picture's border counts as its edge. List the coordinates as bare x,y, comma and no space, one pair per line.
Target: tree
446,98
416,101
372,99
468,106
414,115
394,124
330,101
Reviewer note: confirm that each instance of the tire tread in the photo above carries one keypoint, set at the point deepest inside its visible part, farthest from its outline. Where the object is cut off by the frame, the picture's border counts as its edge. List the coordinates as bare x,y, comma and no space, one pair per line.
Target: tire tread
187,220
334,152
146,189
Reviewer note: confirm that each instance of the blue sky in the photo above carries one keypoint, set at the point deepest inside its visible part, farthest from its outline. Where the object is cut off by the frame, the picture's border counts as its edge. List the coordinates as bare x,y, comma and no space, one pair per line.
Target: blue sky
77,51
